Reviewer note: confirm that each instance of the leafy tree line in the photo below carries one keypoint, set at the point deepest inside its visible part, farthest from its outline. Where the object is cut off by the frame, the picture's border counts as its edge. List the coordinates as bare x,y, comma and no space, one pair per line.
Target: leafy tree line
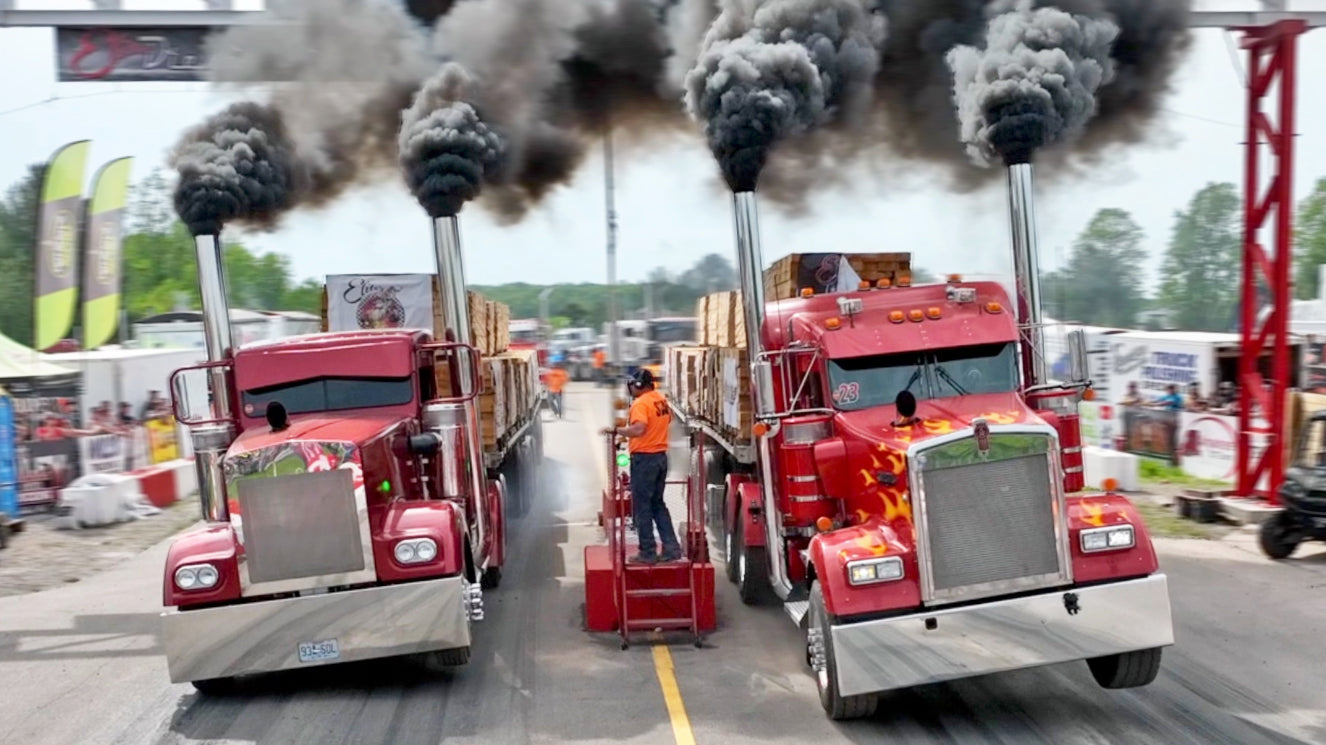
1103,281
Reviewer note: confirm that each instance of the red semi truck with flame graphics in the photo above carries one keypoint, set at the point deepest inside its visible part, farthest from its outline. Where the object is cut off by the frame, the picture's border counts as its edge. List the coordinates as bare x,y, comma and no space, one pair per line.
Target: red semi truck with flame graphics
352,522
917,507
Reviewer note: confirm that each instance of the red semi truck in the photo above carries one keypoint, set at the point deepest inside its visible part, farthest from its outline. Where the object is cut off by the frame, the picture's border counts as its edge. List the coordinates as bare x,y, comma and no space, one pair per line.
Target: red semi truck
908,486
352,511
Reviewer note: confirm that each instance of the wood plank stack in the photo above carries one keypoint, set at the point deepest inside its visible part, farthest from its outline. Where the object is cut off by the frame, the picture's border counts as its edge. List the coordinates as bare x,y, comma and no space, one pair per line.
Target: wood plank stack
785,278
712,384
510,388
721,320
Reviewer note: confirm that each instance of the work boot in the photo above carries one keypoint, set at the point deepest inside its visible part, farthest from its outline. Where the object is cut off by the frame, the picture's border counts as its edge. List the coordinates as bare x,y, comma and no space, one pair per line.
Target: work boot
673,554
643,559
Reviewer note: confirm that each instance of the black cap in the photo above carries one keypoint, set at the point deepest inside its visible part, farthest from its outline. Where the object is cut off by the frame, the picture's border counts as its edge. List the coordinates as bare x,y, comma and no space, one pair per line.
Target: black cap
642,377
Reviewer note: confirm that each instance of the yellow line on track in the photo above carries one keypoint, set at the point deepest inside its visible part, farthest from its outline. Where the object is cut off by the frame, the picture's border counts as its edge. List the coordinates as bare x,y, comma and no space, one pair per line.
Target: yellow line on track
667,680
667,677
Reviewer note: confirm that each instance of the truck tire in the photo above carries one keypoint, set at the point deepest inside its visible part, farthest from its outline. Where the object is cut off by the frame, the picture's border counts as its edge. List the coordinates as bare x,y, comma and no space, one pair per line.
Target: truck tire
730,545
1126,670
214,686
837,706
444,659
1279,536
752,571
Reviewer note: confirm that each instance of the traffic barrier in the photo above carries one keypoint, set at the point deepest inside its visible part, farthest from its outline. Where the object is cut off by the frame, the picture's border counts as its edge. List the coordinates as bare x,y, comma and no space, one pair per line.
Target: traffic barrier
166,483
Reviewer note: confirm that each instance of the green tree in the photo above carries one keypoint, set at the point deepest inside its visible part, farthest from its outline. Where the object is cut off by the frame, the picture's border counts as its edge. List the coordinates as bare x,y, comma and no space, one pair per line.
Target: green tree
1104,272
18,241
1310,241
1201,269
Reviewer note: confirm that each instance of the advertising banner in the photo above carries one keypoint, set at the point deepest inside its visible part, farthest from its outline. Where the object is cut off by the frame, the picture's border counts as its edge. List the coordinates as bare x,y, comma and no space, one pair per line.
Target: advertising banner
130,53
379,301
1098,424
102,252
161,440
8,459
1208,445
1151,432
57,244
102,454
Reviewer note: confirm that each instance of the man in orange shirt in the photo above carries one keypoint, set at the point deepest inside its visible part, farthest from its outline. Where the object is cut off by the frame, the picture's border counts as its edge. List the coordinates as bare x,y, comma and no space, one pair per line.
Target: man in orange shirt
557,378
648,426
600,362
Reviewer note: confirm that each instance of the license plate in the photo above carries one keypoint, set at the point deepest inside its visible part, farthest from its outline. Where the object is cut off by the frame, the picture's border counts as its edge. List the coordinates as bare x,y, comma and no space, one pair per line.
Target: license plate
319,651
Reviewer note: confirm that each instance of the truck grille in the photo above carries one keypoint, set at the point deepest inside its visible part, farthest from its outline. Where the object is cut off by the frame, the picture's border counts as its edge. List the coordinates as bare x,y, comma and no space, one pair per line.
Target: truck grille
990,522
300,525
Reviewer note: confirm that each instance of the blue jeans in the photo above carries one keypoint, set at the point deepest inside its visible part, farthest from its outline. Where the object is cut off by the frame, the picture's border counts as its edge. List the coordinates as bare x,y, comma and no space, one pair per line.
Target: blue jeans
649,476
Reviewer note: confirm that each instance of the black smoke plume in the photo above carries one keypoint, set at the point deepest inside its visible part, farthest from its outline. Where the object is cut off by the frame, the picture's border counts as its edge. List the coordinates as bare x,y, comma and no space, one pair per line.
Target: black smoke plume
447,151
777,71
239,165
1033,84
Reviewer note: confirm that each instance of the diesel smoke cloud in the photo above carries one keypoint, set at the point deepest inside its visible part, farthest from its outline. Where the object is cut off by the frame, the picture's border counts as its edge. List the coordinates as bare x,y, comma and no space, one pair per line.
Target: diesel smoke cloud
826,92
1034,84
446,149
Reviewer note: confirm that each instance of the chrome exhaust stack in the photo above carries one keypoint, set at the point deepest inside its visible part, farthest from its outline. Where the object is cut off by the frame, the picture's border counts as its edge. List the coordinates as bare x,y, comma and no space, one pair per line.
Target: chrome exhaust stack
1026,269
750,267
455,307
210,441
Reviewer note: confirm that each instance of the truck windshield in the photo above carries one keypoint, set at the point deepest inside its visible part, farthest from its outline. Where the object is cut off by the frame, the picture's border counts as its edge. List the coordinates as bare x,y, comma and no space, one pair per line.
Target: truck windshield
330,394
667,332
865,382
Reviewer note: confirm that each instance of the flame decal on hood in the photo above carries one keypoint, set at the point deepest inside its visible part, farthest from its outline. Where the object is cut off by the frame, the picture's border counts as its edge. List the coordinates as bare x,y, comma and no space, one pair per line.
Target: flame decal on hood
1092,513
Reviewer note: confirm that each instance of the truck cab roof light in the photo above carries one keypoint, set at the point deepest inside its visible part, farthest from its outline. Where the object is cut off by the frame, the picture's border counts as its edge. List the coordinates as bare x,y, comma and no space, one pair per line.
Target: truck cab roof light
884,283
864,284
824,524
993,307
954,279
897,316
833,324
904,281
807,291
916,315
934,313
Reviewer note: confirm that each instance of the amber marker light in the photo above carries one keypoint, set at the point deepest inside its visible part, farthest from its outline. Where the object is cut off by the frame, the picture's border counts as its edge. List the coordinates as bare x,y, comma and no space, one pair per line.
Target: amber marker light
760,429
916,315
807,292
1110,484
897,316
993,307
934,313
824,524
833,323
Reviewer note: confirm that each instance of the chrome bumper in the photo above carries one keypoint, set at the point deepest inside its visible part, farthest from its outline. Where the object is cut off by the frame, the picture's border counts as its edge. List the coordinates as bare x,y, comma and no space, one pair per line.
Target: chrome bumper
1002,635
265,636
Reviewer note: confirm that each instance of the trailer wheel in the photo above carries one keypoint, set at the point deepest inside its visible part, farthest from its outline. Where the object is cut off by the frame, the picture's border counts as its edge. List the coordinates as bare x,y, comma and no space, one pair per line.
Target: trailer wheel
1279,536
1126,670
730,545
823,663
752,570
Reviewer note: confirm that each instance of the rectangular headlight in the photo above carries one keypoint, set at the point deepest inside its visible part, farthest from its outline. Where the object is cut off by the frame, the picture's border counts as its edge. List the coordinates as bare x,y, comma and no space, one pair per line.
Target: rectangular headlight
868,571
1111,538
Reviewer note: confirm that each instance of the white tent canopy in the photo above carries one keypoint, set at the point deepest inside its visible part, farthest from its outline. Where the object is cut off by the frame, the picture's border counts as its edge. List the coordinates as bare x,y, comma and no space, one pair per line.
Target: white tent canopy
19,362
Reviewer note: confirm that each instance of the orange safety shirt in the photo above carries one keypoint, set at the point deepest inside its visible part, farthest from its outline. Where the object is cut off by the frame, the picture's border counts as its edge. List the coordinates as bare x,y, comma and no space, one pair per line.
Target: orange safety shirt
556,380
652,409
599,358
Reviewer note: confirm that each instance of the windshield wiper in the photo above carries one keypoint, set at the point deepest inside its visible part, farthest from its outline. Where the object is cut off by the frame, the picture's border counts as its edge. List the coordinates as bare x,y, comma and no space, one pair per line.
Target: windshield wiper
939,370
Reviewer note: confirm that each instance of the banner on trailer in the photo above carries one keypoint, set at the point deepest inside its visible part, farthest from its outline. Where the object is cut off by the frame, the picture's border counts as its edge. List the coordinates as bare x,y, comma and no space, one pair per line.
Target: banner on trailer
103,454
379,301
1208,445
1150,432
102,251
8,459
56,293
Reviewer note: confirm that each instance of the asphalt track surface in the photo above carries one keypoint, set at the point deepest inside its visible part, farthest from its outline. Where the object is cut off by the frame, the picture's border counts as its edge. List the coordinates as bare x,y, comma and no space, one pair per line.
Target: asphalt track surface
83,663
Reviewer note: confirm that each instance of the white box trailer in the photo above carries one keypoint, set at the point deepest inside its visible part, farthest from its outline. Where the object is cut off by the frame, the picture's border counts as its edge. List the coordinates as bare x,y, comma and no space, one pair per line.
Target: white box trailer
118,374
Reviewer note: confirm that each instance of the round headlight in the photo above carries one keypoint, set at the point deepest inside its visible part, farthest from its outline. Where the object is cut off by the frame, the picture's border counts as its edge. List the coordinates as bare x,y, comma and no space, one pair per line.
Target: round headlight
186,578
426,550
404,552
207,576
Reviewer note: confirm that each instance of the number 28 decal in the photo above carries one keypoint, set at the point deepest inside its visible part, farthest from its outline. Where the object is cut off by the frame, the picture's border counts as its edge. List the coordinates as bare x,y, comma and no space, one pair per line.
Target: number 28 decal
847,393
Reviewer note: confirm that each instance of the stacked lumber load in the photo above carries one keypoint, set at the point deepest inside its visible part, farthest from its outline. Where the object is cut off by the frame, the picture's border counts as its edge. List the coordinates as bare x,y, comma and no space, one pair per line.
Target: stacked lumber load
510,389
821,272
721,320
712,384
489,330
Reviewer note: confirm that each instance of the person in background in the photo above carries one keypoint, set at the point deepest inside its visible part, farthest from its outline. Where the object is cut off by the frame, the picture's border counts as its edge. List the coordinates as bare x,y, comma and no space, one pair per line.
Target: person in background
1172,400
600,365
557,378
1196,402
1132,397
126,417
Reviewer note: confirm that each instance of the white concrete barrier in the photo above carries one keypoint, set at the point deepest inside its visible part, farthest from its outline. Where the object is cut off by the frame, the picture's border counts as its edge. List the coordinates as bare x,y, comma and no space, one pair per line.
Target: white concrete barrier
1100,464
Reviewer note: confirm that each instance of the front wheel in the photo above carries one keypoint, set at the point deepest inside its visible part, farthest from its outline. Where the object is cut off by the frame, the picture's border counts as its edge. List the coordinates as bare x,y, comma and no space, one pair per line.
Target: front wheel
752,569
823,662
1279,535
1126,670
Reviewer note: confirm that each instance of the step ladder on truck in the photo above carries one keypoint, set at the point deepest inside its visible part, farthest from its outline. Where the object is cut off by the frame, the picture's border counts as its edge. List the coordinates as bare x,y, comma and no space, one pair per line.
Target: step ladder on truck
632,598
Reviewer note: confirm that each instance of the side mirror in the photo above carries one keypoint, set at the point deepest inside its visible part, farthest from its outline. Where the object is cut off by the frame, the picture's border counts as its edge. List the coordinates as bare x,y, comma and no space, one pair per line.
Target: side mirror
1078,371
762,378
191,394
